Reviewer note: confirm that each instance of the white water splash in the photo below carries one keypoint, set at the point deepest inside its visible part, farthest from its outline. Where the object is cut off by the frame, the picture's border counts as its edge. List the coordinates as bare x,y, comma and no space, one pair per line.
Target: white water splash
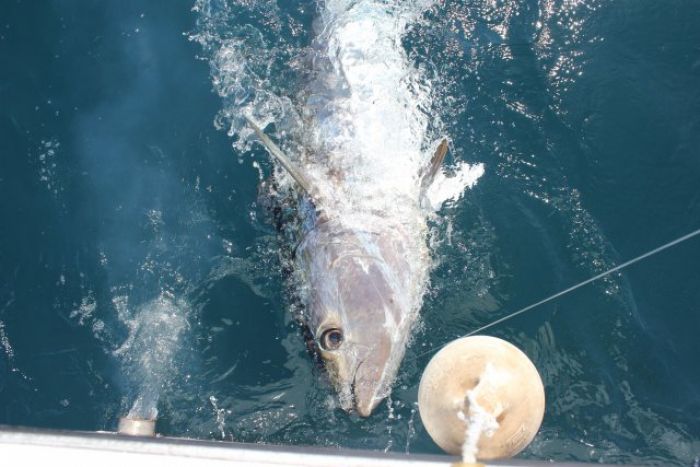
369,140
147,354
364,127
446,188
85,311
220,415
48,160
5,343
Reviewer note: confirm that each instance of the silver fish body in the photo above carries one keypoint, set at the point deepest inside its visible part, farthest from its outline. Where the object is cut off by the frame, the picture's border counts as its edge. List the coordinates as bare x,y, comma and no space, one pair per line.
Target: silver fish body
361,303
363,262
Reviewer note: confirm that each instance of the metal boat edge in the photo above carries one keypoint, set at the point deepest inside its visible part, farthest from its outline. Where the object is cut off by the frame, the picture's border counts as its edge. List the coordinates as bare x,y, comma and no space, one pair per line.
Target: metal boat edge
30,445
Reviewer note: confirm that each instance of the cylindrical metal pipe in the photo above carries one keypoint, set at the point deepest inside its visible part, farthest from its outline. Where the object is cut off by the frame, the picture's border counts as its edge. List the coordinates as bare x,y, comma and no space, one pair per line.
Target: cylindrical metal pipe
137,426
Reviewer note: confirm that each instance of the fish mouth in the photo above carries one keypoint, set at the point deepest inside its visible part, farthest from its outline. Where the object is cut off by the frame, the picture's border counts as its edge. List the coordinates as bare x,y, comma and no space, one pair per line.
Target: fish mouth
364,393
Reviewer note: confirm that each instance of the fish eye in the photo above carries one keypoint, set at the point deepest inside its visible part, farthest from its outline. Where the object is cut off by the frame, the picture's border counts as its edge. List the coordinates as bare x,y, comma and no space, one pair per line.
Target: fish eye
331,339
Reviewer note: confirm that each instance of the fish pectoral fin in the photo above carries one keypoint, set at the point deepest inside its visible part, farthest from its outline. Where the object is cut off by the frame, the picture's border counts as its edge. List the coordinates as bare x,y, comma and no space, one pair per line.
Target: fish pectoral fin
298,175
431,171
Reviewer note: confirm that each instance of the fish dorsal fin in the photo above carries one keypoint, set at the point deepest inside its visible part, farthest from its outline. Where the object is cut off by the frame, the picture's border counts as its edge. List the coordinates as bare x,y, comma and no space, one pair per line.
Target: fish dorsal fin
274,150
429,174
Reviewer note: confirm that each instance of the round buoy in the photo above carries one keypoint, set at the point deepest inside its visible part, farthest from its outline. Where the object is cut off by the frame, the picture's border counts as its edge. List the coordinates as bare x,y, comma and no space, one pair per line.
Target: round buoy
137,426
484,379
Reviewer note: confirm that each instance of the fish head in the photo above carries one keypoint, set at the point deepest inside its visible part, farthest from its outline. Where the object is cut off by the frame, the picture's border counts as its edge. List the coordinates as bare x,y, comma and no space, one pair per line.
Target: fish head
359,311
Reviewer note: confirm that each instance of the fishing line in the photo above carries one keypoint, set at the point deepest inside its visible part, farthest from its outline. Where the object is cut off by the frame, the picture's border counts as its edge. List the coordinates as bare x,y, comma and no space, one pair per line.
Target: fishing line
579,285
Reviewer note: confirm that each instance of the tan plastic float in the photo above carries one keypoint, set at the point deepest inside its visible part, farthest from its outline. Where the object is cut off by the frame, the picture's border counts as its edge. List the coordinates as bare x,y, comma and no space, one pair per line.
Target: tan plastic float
506,389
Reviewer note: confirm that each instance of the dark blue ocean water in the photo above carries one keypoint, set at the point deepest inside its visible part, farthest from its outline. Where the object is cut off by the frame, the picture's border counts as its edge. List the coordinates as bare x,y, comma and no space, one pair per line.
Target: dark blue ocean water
136,258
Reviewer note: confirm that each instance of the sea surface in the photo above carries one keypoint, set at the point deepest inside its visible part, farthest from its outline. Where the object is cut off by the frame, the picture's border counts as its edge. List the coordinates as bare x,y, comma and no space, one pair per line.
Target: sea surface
140,268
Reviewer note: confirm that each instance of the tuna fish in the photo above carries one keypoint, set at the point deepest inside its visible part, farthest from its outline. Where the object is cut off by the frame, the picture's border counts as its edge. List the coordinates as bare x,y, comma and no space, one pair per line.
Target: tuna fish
363,181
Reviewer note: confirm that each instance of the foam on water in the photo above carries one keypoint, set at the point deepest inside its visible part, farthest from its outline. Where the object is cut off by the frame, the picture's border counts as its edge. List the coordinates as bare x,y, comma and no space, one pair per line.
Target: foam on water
364,115
365,105
370,112
147,355
48,167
